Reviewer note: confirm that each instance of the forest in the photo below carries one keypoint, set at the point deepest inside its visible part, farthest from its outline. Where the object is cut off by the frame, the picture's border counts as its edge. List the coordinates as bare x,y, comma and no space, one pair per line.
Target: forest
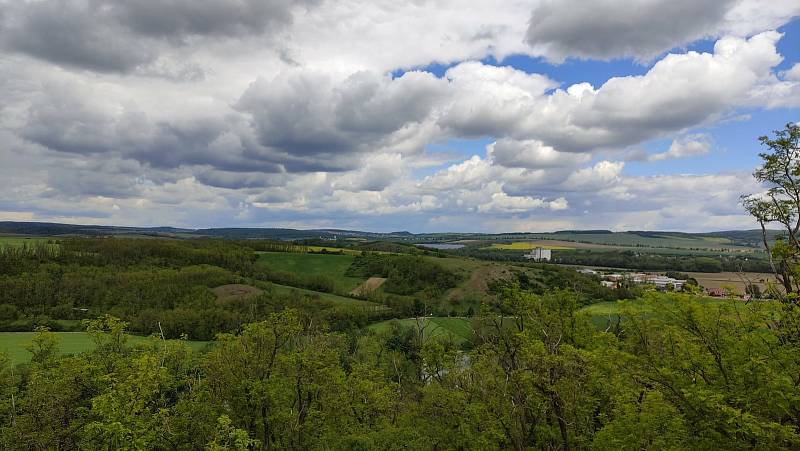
538,375
155,285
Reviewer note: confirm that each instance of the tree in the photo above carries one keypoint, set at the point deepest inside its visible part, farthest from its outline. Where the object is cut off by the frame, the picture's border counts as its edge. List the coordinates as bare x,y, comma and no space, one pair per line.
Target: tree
44,346
780,204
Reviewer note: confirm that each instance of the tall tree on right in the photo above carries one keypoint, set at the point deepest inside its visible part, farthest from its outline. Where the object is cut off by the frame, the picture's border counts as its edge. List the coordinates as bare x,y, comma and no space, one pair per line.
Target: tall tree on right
780,204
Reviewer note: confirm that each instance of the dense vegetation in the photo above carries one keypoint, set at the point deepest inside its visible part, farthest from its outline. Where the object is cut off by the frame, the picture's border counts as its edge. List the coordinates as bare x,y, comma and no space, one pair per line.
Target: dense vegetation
542,278
154,284
540,377
404,274
661,262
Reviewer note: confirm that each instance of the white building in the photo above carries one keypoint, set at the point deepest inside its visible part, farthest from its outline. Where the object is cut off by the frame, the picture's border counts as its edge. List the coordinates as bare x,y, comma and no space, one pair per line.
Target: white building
661,282
539,255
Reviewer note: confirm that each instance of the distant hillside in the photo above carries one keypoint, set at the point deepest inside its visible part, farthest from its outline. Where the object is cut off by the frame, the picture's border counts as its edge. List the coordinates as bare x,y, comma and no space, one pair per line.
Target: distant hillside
657,239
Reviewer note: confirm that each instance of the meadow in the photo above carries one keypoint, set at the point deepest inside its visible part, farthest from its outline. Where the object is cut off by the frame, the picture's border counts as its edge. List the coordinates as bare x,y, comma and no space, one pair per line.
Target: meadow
11,240
459,330
333,266
14,344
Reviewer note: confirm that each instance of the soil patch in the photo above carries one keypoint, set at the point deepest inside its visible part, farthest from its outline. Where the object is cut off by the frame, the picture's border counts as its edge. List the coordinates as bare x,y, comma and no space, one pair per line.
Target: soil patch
370,285
236,291
478,282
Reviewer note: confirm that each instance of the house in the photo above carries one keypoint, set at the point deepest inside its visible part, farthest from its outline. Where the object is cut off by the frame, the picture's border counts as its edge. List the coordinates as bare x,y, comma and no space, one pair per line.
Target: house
539,255
716,292
638,277
661,282
608,284
613,277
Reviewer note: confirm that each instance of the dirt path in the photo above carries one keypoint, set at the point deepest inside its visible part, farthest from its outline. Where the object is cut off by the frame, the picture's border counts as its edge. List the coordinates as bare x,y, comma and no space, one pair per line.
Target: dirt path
370,285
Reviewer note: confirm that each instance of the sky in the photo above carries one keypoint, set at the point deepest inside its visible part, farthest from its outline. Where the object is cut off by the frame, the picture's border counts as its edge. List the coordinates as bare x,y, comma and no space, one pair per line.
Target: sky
425,115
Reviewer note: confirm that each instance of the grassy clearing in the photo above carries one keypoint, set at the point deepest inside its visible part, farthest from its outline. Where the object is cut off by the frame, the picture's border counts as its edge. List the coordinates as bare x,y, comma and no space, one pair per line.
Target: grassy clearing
14,343
333,266
457,329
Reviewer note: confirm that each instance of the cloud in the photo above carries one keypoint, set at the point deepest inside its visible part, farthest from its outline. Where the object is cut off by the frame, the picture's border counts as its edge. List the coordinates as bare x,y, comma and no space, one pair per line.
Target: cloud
502,202
186,18
608,29
249,113
315,118
119,36
679,91
792,74
532,154
688,146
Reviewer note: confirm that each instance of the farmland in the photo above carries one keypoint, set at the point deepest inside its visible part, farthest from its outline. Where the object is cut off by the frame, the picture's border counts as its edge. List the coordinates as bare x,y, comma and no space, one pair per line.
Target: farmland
528,245
647,239
735,280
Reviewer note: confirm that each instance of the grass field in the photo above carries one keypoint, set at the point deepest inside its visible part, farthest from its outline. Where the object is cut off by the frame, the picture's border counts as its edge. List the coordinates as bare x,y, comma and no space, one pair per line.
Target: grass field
652,240
604,312
528,245
10,240
14,343
333,250
457,329
333,266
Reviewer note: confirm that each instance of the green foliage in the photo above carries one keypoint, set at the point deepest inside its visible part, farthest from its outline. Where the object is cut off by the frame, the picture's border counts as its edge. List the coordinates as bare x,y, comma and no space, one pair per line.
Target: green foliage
43,347
677,374
780,173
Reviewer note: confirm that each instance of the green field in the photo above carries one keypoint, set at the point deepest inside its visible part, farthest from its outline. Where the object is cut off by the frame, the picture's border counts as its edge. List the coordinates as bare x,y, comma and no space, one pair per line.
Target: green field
651,240
527,245
14,343
457,329
604,312
333,266
12,240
